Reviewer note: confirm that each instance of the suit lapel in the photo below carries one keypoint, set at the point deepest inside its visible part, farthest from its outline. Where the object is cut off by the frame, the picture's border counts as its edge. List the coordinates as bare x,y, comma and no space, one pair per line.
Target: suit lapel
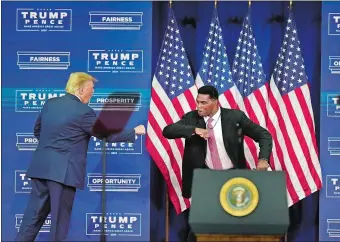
226,129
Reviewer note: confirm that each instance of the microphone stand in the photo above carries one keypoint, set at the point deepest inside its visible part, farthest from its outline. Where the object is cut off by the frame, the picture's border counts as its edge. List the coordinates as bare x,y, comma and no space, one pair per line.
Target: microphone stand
103,193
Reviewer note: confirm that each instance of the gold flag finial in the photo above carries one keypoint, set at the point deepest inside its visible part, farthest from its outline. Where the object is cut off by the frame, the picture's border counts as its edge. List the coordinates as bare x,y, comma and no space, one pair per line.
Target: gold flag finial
215,3
290,3
170,3
249,3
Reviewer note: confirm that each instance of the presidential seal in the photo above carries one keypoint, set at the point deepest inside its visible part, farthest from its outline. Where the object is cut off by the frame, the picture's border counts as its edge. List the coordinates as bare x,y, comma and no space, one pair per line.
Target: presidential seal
239,196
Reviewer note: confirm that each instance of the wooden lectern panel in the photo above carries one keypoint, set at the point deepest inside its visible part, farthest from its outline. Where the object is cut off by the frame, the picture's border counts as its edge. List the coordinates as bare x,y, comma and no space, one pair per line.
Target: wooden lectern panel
239,238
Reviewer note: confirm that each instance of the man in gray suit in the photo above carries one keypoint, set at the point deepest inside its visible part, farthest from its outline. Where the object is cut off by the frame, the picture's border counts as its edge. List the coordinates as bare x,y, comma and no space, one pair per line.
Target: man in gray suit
58,166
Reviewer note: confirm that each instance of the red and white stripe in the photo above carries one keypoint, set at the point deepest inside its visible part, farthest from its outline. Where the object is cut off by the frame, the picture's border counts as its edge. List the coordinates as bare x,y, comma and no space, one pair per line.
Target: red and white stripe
255,107
295,151
168,154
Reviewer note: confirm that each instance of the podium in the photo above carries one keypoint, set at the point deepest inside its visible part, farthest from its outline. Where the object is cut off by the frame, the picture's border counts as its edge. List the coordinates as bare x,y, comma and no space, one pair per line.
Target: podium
239,205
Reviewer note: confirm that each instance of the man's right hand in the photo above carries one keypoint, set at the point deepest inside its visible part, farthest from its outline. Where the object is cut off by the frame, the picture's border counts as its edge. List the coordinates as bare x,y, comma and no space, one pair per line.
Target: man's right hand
140,129
202,132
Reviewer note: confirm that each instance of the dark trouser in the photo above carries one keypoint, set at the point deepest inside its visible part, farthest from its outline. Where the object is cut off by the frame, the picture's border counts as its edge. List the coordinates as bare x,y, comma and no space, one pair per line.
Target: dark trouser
47,196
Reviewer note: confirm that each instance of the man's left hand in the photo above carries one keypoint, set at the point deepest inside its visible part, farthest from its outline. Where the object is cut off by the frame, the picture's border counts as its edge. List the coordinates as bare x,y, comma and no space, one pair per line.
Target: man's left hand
262,165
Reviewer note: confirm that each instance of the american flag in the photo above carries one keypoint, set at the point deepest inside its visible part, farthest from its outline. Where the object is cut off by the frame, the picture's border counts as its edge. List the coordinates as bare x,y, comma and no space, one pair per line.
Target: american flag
291,120
252,88
173,94
215,68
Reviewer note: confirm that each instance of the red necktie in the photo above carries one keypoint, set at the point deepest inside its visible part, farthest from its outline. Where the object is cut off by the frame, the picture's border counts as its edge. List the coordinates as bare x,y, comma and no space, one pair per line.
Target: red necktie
215,158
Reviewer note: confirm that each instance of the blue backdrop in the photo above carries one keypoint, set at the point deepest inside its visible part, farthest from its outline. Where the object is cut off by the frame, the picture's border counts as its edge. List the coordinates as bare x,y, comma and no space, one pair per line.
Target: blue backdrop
268,20
330,135
43,42
24,78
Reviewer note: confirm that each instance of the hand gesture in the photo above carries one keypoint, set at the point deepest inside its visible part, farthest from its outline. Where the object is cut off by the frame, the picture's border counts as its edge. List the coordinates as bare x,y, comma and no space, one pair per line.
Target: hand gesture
202,132
140,129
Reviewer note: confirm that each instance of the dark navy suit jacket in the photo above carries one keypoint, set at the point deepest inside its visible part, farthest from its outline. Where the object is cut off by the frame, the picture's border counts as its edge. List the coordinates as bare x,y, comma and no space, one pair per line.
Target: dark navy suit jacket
64,128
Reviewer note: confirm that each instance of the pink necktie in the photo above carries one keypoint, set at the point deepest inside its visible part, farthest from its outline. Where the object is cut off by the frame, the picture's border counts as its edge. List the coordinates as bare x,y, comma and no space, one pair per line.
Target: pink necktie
215,158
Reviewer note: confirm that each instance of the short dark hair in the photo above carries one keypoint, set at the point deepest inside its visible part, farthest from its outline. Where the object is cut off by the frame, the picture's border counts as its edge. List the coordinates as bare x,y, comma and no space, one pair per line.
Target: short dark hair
209,90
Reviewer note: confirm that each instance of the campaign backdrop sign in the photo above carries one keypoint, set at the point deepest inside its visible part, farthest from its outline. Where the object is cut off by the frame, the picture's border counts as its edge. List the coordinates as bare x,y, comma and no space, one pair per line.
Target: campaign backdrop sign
329,224
44,42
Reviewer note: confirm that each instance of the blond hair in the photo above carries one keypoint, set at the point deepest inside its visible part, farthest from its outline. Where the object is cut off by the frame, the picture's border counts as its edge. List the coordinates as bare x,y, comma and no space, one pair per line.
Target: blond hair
76,80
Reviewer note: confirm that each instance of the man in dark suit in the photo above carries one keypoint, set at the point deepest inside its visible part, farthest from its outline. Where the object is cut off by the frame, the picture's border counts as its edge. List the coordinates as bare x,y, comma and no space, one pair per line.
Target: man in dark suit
214,138
58,166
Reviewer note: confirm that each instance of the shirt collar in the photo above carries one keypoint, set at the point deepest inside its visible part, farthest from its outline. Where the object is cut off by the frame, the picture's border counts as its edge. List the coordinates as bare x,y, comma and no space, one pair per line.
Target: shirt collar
215,117
77,97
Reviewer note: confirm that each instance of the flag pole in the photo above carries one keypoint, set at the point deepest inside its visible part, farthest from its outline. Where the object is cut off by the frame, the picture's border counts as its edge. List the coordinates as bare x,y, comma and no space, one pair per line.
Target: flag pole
166,195
166,214
215,3
249,3
286,234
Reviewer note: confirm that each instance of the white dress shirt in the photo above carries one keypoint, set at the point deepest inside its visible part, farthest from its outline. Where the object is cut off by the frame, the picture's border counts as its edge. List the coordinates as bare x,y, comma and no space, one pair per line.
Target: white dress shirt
217,128
77,97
